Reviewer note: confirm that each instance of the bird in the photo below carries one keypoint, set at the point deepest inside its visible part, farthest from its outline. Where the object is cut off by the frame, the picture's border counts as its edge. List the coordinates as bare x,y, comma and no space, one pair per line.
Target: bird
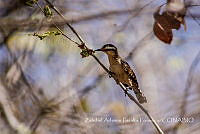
122,72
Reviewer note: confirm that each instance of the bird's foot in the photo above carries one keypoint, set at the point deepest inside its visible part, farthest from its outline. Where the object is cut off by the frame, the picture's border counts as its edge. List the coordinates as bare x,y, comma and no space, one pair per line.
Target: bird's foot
129,87
111,74
125,92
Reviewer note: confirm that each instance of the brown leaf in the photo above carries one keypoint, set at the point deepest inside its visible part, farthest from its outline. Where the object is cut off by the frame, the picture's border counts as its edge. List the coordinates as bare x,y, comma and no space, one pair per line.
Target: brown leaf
162,33
165,23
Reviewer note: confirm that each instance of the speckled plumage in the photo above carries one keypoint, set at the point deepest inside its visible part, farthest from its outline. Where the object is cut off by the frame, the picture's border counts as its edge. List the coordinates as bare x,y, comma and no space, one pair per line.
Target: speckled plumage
122,71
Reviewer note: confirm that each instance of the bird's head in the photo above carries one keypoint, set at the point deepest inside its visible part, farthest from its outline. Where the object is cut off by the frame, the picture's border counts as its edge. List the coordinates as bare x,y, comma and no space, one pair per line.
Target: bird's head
109,49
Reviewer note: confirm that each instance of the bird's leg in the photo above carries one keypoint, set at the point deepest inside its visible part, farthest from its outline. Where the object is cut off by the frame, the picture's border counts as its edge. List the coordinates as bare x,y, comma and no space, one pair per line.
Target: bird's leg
111,74
125,92
129,87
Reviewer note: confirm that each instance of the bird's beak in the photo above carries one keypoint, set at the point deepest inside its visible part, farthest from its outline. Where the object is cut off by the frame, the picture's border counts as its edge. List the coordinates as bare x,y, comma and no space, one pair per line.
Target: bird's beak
99,50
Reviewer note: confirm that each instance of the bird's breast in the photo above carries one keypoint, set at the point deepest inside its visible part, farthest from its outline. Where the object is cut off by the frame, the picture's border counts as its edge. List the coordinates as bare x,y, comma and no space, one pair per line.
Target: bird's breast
119,73
116,68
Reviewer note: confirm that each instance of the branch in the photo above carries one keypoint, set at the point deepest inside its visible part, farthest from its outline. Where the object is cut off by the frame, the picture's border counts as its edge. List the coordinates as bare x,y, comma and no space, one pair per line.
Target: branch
107,70
143,109
73,30
134,15
20,24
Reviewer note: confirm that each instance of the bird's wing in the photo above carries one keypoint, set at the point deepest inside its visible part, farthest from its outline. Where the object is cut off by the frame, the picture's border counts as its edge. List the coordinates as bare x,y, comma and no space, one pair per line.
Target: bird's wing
140,96
130,73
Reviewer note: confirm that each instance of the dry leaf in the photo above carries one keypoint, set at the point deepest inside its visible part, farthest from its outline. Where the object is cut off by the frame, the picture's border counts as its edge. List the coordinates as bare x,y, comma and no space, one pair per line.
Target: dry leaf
165,23
164,35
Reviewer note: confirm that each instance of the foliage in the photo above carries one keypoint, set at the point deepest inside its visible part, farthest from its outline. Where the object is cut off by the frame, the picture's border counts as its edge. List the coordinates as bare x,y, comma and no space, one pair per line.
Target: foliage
47,11
46,34
31,2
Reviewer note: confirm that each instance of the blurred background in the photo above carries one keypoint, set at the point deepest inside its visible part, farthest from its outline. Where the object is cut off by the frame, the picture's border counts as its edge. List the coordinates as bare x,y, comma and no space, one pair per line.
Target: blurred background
47,88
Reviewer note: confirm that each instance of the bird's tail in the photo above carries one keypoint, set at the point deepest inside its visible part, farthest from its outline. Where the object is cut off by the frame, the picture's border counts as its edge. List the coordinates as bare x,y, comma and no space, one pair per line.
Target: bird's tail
140,96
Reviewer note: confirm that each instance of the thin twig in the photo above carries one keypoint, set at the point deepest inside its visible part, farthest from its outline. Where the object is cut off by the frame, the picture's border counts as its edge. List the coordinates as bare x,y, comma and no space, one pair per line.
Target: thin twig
193,5
142,108
73,30
133,15
107,70
65,34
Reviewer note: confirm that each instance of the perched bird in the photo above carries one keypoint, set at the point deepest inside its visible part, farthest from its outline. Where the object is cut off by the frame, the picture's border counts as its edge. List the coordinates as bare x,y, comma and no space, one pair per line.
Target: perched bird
122,72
